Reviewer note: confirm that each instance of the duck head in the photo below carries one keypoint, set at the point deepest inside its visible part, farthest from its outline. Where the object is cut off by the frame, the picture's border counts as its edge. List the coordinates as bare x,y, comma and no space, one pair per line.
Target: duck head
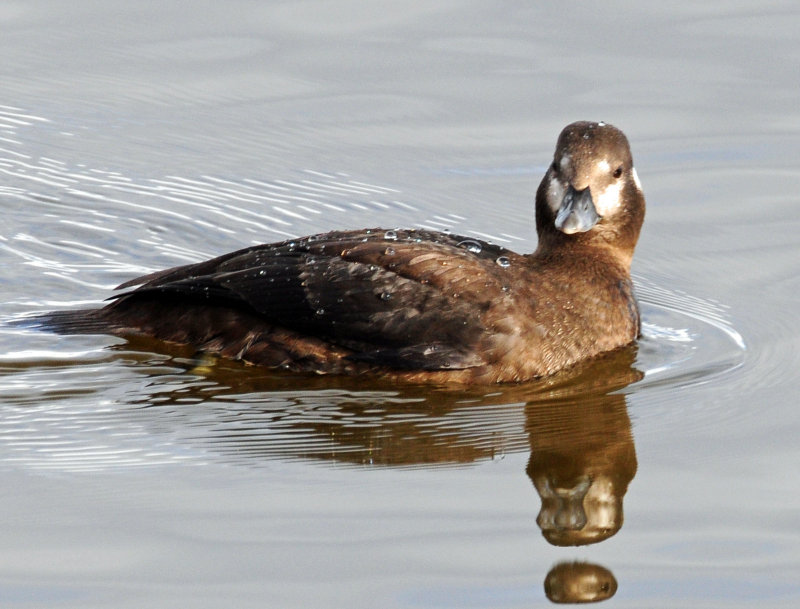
591,193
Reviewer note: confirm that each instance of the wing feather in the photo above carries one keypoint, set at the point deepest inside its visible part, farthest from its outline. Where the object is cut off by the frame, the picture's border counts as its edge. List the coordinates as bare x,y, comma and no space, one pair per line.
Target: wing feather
413,301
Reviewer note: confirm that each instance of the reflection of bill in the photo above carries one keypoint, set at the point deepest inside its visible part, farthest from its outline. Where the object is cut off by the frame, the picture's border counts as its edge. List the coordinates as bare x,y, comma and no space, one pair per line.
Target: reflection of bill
582,460
579,582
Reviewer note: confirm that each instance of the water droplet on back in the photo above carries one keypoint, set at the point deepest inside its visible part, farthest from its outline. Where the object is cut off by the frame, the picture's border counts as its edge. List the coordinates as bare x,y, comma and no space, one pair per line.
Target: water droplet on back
389,251
503,261
471,246
390,235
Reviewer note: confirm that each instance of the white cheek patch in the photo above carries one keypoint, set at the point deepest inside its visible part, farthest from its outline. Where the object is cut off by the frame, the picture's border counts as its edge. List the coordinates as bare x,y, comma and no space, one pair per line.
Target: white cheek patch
603,166
565,161
609,201
555,194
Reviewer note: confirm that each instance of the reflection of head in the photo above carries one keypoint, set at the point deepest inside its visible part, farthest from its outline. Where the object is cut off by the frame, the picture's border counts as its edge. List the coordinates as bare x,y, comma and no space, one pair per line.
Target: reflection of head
579,582
588,511
582,460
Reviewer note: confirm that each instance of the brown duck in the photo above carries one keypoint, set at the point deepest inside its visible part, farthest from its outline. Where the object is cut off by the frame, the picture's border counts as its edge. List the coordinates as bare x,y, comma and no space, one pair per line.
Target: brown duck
415,304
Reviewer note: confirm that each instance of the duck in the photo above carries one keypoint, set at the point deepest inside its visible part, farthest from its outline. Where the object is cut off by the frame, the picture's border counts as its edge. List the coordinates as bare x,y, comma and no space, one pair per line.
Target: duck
416,305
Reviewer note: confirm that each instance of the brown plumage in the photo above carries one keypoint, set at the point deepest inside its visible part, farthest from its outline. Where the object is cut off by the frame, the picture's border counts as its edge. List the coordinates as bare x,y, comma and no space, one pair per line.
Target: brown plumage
415,304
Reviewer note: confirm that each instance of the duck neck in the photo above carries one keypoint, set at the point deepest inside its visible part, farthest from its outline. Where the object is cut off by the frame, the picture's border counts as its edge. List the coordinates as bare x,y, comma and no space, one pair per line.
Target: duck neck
574,250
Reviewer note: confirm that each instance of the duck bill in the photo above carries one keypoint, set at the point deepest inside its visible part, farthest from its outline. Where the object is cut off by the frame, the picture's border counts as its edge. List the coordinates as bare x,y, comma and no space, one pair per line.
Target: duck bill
577,213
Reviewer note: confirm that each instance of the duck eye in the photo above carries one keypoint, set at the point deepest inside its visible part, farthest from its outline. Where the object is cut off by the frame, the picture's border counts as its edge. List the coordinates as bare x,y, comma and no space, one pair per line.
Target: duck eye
618,171
554,167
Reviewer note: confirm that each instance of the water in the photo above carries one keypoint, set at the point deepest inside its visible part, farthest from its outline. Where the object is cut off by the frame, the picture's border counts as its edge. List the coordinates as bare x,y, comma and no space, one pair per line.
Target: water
135,137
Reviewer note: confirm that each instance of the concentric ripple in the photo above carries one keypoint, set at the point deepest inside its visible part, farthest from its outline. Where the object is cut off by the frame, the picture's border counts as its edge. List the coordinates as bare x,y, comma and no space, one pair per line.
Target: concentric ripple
685,340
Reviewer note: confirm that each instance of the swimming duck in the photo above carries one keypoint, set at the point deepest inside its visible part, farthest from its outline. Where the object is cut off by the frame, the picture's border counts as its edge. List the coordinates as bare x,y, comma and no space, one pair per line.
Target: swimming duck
418,305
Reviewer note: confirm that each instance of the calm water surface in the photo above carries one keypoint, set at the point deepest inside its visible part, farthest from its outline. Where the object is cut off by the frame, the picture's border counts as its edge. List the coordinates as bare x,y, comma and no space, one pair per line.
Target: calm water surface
139,136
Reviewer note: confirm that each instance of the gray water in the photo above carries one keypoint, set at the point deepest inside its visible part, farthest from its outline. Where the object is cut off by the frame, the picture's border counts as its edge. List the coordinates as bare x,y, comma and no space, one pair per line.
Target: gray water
136,136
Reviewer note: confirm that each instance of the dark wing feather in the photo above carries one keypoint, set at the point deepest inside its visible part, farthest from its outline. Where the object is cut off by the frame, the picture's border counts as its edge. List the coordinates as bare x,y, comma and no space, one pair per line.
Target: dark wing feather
410,301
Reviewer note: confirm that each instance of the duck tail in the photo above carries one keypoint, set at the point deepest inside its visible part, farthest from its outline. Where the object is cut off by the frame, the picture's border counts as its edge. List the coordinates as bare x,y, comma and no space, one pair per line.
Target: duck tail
79,321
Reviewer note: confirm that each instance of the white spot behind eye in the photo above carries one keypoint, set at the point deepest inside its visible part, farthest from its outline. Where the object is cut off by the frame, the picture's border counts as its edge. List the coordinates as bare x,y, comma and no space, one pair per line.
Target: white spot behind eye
636,178
565,162
603,166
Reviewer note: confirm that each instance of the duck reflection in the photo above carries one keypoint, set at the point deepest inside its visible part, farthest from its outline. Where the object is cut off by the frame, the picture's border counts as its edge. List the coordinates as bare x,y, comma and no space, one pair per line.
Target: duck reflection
575,425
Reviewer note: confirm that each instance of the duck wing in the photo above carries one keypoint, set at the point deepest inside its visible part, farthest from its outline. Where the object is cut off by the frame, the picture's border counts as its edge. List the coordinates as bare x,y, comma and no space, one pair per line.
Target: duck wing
403,299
